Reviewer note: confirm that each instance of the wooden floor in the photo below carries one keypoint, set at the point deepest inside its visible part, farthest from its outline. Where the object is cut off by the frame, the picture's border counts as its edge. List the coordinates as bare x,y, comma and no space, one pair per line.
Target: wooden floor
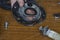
18,31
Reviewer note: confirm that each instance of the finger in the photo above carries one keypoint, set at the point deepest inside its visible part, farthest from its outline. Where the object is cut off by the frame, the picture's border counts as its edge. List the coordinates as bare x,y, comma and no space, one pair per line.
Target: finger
21,3
12,2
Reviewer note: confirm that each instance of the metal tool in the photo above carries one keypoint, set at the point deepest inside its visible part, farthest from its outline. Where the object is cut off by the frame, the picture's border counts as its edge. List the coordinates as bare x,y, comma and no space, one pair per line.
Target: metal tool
50,33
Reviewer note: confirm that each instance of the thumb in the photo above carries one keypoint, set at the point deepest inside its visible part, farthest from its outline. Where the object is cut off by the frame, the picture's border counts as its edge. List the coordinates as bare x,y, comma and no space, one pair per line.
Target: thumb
21,3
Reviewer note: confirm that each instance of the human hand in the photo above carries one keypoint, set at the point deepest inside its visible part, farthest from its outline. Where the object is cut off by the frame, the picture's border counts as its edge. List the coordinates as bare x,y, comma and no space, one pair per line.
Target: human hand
21,2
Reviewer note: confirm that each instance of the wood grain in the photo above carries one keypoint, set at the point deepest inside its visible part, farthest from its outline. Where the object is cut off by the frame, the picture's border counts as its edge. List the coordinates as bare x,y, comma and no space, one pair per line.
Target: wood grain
18,31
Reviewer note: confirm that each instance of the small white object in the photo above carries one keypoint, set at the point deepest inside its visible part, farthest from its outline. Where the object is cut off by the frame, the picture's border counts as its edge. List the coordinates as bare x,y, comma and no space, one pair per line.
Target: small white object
56,17
58,2
6,25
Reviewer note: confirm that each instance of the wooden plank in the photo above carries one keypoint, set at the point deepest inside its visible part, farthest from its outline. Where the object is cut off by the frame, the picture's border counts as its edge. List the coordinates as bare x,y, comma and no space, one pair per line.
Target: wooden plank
18,31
